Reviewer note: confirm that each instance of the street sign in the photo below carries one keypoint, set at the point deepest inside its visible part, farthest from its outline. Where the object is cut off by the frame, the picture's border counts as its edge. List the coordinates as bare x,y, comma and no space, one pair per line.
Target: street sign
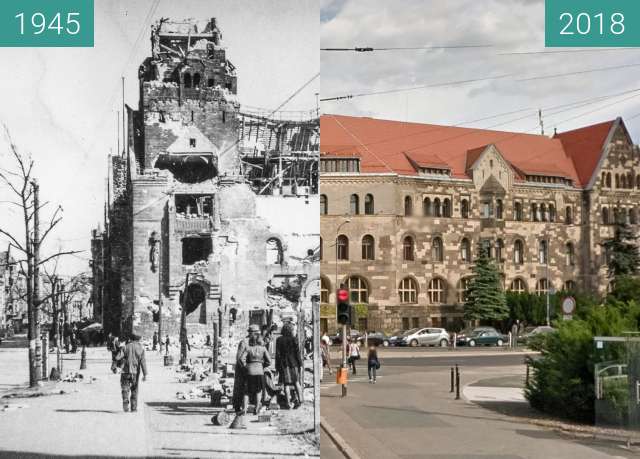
568,307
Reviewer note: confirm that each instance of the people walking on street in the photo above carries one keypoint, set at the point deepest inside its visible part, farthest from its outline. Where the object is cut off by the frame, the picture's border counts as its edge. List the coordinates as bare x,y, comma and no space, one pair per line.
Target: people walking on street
133,364
155,341
255,359
288,364
166,343
373,363
354,354
115,348
325,354
240,379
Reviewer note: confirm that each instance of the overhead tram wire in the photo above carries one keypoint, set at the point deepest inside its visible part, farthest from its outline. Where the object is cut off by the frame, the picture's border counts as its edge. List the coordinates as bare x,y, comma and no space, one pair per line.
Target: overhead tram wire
497,77
364,49
566,51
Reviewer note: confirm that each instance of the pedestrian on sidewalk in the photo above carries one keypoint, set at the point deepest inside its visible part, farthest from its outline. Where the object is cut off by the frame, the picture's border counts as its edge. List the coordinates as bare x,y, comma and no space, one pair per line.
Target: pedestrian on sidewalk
288,364
354,354
255,359
134,363
373,364
155,341
326,354
166,343
117,352
240,379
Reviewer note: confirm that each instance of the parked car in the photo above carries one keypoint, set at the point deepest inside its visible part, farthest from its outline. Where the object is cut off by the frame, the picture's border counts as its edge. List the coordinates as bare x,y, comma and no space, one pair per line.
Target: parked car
396,337
470,331
426,337
376,338
337,338
485,336
532,333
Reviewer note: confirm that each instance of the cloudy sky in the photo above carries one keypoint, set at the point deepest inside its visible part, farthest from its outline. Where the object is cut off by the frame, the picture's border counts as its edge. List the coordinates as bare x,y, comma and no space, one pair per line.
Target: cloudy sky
510,28
60,104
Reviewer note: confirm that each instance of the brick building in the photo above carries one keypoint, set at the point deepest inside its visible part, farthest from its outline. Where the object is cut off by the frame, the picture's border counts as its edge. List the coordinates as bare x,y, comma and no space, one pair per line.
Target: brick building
419,198
198,199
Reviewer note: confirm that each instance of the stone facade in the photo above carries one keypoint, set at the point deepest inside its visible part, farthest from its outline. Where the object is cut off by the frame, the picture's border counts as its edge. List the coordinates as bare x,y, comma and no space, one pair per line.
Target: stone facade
515,211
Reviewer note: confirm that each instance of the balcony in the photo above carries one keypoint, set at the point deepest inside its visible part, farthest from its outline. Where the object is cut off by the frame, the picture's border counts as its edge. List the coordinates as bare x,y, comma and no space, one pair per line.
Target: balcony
194,225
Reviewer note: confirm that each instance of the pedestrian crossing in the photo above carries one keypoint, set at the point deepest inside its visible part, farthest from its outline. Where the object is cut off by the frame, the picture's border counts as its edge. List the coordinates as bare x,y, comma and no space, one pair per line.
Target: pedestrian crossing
329,381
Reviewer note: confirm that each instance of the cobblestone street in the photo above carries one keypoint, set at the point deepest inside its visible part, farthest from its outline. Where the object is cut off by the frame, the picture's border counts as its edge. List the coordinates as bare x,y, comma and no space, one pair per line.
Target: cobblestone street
87,419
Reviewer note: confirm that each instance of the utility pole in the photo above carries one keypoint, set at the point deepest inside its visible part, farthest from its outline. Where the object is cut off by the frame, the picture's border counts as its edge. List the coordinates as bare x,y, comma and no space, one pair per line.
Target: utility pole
159,242
34,326
547,276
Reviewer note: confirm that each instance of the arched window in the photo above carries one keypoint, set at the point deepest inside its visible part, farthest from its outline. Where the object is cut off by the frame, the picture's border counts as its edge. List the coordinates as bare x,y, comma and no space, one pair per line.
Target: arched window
358,290
426,207
606,252
616,215
629,180
368,247
408,249
608,179
543,212
437,210
463,287
518,285
368,205
542,287
464,208
543,252
570,253
408,291
196,80
408,206
325,288
465,250
436,291
604,179
633,216
535,216
354,204
569,286
321,248
211,82
187,80
624,216
518,252
342,247
324,204
605,216
499,209
552,213
274,251
498,250
446,208
517,211
436,249
617,181
568,215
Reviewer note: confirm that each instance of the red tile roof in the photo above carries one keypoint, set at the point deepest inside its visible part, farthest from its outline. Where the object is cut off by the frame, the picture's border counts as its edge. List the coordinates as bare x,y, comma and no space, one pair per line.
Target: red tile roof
584,146
389,146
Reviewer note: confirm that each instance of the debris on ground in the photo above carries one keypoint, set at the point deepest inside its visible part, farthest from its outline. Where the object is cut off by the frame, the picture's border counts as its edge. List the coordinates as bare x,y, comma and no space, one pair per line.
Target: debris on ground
13,407
73,377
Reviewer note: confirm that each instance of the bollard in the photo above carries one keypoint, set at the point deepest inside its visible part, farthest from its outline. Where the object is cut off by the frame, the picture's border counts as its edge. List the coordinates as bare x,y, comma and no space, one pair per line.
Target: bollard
457,383
510,340
83,358
455,340
452,383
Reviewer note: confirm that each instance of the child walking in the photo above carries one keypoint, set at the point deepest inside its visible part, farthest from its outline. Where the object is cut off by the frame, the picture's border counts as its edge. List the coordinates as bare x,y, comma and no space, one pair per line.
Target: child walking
373,364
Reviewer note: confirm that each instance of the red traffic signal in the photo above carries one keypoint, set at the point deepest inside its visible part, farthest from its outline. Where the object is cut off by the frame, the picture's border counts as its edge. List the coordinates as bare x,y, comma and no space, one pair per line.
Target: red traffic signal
343,294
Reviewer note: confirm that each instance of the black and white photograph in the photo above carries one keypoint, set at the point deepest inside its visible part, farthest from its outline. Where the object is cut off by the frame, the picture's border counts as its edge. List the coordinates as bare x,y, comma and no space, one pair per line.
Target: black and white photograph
159,235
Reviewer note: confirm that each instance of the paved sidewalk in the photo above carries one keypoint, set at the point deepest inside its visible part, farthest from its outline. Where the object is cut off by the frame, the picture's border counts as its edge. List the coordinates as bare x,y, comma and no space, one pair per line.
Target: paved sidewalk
411,414
88,420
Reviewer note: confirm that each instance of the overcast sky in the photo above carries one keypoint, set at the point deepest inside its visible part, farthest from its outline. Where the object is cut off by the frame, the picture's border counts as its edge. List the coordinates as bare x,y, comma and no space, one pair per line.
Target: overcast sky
509,26
60,104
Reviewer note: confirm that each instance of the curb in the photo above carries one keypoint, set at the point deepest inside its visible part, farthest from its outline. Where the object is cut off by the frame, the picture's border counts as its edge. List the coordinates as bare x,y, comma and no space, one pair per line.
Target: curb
340,443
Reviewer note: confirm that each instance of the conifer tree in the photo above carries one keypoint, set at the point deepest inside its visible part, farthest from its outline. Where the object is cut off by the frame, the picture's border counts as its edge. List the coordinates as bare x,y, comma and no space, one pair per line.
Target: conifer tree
622,251
485,298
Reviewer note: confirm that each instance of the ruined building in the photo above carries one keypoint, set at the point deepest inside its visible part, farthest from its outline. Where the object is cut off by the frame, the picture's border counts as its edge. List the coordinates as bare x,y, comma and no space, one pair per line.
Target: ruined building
421,198
211,208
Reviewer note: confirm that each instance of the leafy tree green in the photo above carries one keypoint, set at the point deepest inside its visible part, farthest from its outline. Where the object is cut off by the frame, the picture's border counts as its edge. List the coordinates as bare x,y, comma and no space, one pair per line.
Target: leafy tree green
485,298
622,250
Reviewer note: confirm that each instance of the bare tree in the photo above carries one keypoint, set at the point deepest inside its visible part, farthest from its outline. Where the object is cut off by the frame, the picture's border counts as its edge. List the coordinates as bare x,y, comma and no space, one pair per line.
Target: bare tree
21,184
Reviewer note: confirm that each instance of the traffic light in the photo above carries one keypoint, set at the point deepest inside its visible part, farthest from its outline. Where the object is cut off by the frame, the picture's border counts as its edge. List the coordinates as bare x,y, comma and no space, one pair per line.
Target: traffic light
343,308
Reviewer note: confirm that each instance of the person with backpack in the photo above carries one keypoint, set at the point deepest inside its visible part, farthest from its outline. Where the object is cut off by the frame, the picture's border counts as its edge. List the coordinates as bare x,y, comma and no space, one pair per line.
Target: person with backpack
354,354
373,364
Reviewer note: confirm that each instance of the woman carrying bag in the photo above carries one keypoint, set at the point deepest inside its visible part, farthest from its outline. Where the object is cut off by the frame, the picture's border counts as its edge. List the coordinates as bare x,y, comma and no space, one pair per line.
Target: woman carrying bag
373,364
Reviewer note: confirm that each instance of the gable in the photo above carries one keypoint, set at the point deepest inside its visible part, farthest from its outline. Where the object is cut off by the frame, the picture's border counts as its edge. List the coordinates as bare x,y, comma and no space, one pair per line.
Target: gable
491,173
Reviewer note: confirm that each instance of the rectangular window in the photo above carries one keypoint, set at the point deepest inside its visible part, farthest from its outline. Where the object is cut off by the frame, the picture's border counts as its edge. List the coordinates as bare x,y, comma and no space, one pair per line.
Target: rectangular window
415,322
405,323
196,249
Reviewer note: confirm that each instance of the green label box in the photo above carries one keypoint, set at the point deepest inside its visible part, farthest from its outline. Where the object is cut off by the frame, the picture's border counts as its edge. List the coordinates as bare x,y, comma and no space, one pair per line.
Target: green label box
592,23
46,23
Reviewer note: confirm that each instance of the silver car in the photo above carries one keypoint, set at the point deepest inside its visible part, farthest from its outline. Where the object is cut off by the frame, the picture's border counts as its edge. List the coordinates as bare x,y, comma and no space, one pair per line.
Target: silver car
427,337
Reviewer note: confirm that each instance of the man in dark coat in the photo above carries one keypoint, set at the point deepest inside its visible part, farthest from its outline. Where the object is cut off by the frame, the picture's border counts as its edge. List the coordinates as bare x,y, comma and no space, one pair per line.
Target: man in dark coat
155,341
134,363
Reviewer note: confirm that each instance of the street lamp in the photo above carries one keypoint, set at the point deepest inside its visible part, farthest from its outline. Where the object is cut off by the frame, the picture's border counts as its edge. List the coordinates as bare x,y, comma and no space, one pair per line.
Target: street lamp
546,259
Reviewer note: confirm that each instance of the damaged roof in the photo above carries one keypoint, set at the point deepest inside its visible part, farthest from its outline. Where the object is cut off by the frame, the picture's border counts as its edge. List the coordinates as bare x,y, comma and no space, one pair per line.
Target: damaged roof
188,26
397,147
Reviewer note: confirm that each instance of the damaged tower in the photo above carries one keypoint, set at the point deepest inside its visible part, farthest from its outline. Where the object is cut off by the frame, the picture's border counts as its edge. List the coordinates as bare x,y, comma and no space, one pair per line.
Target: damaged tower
213,209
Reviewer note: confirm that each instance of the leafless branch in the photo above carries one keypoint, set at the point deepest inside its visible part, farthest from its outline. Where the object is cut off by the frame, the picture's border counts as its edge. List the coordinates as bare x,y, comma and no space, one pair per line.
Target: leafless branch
59,254
13,240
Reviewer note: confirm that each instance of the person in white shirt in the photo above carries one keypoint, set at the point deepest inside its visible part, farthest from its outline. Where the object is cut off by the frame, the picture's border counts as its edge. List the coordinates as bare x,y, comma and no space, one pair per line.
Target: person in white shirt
354,354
